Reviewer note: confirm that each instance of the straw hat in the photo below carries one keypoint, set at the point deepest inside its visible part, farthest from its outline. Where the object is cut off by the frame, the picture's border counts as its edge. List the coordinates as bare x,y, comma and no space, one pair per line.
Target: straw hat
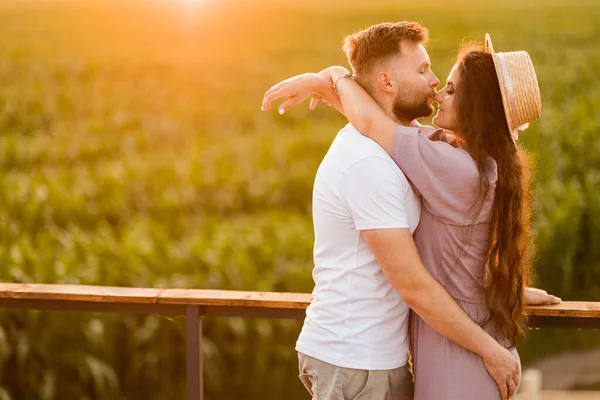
519,87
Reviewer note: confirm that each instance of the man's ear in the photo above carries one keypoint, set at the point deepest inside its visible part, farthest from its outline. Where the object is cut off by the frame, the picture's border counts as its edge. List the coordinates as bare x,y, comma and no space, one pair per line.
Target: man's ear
384,83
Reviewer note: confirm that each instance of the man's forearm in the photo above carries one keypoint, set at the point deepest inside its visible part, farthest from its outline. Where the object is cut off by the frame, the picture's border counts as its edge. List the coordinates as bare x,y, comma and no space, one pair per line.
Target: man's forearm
426,296
397,255
439,310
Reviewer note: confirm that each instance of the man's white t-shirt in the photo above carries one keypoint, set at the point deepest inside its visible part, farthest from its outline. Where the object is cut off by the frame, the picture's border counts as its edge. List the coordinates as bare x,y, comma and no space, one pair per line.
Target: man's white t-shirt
356,319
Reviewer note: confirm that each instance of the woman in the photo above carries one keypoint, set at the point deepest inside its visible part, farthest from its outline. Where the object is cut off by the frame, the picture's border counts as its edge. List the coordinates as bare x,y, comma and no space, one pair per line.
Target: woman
474,231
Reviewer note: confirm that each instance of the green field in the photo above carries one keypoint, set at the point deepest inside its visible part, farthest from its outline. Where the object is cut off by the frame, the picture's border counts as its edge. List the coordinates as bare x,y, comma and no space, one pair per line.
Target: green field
133,152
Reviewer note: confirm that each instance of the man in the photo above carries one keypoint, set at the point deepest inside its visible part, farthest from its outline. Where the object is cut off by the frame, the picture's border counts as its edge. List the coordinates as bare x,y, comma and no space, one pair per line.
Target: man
354,342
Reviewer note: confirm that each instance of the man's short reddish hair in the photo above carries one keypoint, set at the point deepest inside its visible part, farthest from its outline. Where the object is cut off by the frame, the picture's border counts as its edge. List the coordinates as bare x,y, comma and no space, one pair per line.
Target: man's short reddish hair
379,42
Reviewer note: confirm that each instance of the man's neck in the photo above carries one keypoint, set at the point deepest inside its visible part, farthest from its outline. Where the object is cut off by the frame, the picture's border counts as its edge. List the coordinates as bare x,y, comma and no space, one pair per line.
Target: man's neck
387,108
401,121
412,122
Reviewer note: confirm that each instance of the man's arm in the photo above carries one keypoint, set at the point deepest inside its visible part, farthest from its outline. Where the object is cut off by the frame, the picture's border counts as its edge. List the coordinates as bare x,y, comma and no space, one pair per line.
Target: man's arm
396,253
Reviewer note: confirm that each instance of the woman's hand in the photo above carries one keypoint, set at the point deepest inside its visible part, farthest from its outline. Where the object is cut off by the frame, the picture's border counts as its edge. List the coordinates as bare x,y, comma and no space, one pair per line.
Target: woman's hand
297,89
535,296
316,97
442,135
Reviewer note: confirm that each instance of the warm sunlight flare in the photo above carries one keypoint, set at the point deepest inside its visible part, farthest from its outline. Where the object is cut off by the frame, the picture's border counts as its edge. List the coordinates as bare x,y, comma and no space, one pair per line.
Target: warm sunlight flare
190,2
185,4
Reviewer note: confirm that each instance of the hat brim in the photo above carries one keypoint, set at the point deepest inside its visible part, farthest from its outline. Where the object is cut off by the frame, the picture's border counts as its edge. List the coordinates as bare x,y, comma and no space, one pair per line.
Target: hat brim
489,48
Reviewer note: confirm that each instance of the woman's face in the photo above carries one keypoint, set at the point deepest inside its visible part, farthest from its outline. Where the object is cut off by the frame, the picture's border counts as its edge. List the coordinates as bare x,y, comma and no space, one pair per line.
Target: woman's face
446,115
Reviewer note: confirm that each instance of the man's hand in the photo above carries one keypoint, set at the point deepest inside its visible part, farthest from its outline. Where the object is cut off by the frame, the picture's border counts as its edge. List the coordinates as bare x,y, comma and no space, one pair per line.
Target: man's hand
504,369
535,296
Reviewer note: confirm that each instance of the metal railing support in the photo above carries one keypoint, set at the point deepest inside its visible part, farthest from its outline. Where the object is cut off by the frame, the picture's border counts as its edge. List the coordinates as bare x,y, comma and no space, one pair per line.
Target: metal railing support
193,345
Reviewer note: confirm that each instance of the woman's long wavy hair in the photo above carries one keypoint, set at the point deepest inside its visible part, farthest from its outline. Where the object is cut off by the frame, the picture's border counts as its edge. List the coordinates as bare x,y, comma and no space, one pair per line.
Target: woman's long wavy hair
482,126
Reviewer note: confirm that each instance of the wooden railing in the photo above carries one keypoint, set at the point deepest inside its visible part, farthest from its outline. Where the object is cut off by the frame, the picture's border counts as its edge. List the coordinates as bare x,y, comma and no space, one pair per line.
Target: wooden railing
196,303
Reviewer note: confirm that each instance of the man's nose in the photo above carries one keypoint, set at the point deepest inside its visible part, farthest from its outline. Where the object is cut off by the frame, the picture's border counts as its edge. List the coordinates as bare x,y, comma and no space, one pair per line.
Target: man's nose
435,82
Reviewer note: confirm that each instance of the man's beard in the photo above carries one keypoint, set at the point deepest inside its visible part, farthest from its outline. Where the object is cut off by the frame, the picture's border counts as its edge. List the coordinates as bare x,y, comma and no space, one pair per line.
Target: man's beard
410,106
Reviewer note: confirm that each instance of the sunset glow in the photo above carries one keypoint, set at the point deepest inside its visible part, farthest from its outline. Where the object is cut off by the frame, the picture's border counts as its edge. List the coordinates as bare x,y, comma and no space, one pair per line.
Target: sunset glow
189,2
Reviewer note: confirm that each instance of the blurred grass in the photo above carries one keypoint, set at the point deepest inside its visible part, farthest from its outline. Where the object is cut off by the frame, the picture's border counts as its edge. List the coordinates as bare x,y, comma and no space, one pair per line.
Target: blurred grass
133,152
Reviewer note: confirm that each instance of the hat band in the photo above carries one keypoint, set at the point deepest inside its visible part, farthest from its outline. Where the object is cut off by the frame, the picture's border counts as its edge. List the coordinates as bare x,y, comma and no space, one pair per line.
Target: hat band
509,90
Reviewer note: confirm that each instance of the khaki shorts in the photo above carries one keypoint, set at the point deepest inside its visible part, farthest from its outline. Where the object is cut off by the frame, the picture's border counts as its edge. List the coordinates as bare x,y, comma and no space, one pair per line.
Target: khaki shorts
328,382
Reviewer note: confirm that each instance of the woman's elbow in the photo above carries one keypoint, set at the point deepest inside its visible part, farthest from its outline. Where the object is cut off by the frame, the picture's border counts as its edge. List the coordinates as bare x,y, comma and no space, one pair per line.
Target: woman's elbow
365,126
